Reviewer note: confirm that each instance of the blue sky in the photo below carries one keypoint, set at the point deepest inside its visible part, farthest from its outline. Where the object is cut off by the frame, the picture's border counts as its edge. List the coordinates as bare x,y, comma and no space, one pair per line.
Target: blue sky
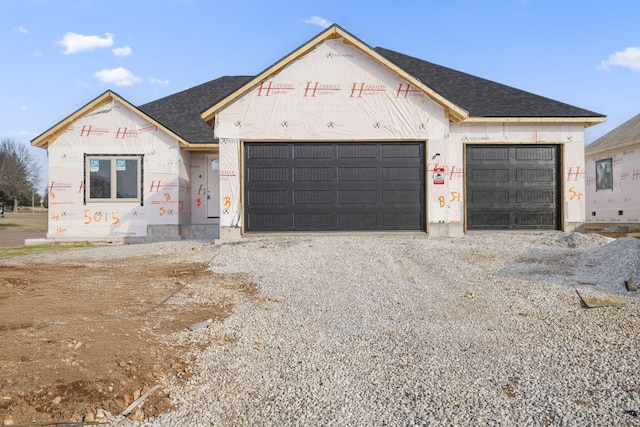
57,55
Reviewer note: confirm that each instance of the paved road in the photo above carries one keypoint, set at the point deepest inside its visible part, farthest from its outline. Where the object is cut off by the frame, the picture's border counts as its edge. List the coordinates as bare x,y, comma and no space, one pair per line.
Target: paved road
17,238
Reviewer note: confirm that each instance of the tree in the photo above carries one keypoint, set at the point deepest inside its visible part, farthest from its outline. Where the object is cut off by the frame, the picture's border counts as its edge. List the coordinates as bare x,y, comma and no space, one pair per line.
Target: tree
19,173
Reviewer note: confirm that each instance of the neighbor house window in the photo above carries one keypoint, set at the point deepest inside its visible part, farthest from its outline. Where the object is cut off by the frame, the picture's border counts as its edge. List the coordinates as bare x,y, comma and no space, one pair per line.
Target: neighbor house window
110,178
604,174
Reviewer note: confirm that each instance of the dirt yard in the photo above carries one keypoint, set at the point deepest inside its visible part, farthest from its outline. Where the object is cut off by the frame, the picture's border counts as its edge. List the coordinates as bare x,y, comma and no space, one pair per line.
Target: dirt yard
79,340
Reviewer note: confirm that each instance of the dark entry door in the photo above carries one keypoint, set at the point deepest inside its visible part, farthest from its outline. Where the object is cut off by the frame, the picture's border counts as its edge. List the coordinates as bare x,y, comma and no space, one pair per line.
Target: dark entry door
334,186
513,187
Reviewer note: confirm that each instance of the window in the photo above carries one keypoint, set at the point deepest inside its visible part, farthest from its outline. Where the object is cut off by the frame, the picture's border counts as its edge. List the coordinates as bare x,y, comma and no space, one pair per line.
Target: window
604,174
113,178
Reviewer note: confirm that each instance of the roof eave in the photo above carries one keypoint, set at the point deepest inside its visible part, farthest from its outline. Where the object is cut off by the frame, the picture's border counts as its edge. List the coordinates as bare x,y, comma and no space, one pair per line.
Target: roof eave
204,147
613,148
586,121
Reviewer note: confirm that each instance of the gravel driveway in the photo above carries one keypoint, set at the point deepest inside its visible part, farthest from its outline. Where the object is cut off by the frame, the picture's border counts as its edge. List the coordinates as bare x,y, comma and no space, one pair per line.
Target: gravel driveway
404,329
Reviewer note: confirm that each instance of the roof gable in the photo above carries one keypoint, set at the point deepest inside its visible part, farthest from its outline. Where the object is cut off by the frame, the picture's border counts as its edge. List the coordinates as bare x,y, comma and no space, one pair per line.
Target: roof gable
45,139
453,111
624,135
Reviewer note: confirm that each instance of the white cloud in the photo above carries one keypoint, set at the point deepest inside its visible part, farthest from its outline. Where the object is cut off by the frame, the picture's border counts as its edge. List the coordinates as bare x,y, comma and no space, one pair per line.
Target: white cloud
316,20
20,29
122,51
37,53
161,82
118,76
24,108
628,58
78,42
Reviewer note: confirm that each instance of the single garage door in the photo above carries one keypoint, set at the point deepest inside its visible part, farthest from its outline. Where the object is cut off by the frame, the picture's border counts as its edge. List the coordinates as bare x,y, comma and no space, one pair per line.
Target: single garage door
513,187
334,186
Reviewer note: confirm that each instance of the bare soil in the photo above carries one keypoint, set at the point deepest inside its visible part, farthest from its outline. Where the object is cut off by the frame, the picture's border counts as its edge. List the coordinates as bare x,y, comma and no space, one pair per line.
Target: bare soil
78,340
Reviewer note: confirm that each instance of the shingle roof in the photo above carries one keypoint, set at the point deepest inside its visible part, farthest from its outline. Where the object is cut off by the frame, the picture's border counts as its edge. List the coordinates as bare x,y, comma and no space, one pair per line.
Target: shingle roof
626,134
482,97
181,111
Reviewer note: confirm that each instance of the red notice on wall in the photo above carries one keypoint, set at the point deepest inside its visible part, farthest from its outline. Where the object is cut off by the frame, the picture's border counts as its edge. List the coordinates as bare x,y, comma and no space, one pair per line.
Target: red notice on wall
438,175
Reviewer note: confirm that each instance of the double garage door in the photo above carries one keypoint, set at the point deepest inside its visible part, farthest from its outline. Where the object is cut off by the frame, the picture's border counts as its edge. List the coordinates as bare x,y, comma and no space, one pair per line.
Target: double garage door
334,186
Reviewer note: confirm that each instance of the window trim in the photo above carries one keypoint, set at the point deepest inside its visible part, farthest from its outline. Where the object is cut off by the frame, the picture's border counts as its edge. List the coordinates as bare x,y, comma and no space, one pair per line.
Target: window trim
87,178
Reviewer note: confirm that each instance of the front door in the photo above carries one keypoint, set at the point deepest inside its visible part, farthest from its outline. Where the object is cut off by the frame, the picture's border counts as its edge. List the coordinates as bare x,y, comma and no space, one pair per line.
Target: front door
213,186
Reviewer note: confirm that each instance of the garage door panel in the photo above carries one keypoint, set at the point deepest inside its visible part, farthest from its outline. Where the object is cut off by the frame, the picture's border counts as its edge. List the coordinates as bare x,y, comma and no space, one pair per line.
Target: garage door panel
488,153
533,219
266,174
490,175
513,186
357,174
313,197
489,197
391,151
312,151
313,174
534,175
358,151
273,151
351,197
356,189
534,153
401,196
401,174
358,221
535,196
268,197
390,220
315,221
490,219
270,221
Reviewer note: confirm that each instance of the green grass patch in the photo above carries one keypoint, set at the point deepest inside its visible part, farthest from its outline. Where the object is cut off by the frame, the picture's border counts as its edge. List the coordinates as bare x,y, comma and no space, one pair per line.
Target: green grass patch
9,226
24,221
36,249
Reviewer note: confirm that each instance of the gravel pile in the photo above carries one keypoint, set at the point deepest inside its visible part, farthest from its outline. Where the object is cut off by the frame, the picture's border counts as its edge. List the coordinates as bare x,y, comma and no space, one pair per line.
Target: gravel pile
606,266
404,329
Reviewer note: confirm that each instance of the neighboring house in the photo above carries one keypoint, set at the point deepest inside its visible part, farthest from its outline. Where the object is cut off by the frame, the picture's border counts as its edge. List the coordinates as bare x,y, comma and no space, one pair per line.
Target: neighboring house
336,136
613,179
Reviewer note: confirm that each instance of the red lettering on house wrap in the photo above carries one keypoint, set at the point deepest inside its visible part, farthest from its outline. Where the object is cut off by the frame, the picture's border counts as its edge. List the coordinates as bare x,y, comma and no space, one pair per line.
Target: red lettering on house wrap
88,130
404,92
274,88
360,89
149,128
122,133
453,173
574,173
316,88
